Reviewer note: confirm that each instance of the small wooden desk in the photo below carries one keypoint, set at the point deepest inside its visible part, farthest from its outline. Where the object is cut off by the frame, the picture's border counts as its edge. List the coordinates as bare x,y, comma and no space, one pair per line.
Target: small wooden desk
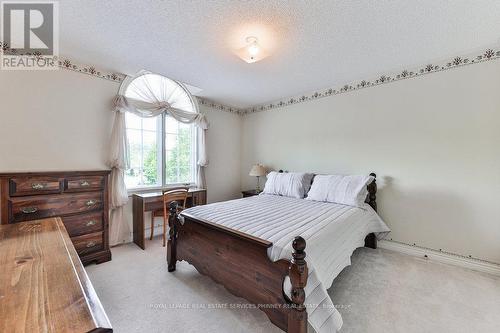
43,286
147,202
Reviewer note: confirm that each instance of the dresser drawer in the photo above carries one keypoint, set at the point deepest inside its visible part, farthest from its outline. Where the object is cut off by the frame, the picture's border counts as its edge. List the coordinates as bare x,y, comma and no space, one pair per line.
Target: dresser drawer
83,224
88,243
36,207
74,184
22,186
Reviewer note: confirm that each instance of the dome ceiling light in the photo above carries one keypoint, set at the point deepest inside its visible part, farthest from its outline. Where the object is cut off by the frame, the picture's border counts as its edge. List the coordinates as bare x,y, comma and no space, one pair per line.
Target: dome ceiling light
252,52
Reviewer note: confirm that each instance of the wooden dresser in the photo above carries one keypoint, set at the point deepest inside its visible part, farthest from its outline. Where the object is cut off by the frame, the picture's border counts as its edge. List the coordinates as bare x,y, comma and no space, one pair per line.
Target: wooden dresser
43,285
80,198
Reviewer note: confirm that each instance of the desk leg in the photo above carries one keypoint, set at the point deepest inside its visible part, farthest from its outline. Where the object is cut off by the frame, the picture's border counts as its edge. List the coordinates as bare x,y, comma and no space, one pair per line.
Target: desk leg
138,221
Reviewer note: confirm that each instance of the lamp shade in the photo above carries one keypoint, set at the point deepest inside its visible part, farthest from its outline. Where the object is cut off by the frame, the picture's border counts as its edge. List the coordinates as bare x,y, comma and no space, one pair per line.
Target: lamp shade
257,171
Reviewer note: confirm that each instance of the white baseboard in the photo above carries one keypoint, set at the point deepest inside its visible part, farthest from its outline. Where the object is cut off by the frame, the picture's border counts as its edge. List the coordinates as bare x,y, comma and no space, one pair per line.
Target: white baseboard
415,251
443,257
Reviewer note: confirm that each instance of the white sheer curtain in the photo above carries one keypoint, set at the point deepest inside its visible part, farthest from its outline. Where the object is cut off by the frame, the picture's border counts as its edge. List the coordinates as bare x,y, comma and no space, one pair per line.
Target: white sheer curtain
148,95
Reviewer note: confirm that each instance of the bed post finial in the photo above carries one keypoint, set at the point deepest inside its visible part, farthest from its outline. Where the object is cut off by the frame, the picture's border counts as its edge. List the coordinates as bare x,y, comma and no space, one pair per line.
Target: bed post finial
298,272
371,198
172,236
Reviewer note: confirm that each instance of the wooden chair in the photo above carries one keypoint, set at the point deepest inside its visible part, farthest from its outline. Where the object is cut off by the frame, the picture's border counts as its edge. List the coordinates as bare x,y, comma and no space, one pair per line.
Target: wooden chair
175,194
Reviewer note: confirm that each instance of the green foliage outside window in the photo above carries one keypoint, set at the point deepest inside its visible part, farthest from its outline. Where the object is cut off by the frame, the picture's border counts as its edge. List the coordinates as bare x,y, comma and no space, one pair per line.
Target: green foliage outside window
178,166
151,167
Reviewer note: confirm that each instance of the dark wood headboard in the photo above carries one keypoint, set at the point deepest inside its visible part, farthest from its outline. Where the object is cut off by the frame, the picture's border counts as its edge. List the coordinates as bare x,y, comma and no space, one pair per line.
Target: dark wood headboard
371,197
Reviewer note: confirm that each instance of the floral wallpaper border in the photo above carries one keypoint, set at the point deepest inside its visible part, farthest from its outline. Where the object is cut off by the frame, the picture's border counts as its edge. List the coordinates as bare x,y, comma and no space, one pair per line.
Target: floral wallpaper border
218,106
459,61
91,70
456,62
65,63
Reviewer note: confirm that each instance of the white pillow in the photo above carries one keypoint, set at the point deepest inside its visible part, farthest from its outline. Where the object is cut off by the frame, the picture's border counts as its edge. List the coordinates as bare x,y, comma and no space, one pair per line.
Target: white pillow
289,184
346,190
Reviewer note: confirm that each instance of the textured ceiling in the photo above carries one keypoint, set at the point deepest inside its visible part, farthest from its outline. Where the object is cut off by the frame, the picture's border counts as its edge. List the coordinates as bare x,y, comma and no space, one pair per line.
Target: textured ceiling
313,44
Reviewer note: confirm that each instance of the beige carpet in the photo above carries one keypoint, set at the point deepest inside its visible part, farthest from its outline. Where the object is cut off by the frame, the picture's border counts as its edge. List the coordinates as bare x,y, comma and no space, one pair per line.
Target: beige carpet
382,291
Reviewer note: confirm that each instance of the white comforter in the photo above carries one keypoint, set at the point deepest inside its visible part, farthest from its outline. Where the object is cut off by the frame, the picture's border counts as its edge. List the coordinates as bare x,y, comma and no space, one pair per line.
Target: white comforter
332,233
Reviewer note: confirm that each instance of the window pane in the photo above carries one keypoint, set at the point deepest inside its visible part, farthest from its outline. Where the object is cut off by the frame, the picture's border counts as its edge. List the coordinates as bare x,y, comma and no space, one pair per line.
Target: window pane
133,175
145,161
135,146
171,125
170,141
150,124
179,152
151,175
133,121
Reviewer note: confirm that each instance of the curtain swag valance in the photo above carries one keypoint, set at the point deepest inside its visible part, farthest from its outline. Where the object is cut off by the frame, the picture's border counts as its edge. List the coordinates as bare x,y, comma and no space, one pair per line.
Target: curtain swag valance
147,95
155,108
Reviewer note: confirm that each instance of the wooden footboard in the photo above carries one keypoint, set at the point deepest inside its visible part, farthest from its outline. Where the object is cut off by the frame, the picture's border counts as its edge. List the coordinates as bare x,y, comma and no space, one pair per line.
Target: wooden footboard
240,263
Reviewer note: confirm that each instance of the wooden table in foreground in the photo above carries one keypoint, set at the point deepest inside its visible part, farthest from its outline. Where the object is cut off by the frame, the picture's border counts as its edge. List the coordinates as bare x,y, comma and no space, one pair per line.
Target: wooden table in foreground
147,202
43,285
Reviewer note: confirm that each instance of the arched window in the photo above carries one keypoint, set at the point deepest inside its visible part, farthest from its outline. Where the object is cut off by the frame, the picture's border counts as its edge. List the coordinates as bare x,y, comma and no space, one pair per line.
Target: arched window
162,150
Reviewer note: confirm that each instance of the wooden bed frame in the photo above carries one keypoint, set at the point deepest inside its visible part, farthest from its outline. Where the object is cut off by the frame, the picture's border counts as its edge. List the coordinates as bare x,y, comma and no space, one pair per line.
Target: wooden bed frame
240,263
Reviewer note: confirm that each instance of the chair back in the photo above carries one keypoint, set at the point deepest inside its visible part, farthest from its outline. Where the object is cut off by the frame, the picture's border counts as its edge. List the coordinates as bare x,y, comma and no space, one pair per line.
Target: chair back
174,194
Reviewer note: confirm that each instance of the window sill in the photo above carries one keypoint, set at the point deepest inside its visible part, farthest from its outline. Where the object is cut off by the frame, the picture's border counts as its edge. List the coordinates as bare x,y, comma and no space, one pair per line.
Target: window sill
138,190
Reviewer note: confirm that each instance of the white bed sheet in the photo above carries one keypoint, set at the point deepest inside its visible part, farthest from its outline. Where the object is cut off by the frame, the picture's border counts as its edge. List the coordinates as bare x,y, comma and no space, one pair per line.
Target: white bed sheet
332,233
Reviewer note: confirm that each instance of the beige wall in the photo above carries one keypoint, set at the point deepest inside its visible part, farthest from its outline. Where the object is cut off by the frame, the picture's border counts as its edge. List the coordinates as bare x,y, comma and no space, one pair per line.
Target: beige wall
434,142
224,153
61,120
54,120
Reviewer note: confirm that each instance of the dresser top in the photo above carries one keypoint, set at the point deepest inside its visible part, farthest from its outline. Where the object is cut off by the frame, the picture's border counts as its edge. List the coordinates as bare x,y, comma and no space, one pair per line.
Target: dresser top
43,286
55,173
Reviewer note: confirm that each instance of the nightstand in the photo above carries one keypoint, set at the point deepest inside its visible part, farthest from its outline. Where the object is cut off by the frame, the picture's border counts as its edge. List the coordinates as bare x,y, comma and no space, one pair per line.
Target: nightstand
250,193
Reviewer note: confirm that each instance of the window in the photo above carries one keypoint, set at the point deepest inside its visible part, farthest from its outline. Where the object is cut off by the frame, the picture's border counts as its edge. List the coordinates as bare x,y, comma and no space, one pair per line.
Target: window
162,149
154,140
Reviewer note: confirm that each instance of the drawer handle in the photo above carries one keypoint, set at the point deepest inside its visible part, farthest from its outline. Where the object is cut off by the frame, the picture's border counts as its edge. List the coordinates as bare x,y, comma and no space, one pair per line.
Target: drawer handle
37,186
84,183
90,244
29,210
91,203
90,223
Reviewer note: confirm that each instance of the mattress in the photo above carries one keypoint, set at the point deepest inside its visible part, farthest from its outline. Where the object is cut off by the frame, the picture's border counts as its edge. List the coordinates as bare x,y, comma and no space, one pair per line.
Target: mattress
332,233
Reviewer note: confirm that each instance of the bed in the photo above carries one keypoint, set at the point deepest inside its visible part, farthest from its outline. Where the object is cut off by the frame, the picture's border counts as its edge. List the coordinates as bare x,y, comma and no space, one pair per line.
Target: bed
255,247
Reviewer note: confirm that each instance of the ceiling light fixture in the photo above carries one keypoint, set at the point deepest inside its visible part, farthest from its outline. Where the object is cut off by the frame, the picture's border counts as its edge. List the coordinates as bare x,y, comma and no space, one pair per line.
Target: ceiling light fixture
252,52
252,47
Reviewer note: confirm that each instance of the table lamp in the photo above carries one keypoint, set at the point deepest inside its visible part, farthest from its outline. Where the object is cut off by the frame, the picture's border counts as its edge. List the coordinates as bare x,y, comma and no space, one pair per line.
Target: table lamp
257,171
